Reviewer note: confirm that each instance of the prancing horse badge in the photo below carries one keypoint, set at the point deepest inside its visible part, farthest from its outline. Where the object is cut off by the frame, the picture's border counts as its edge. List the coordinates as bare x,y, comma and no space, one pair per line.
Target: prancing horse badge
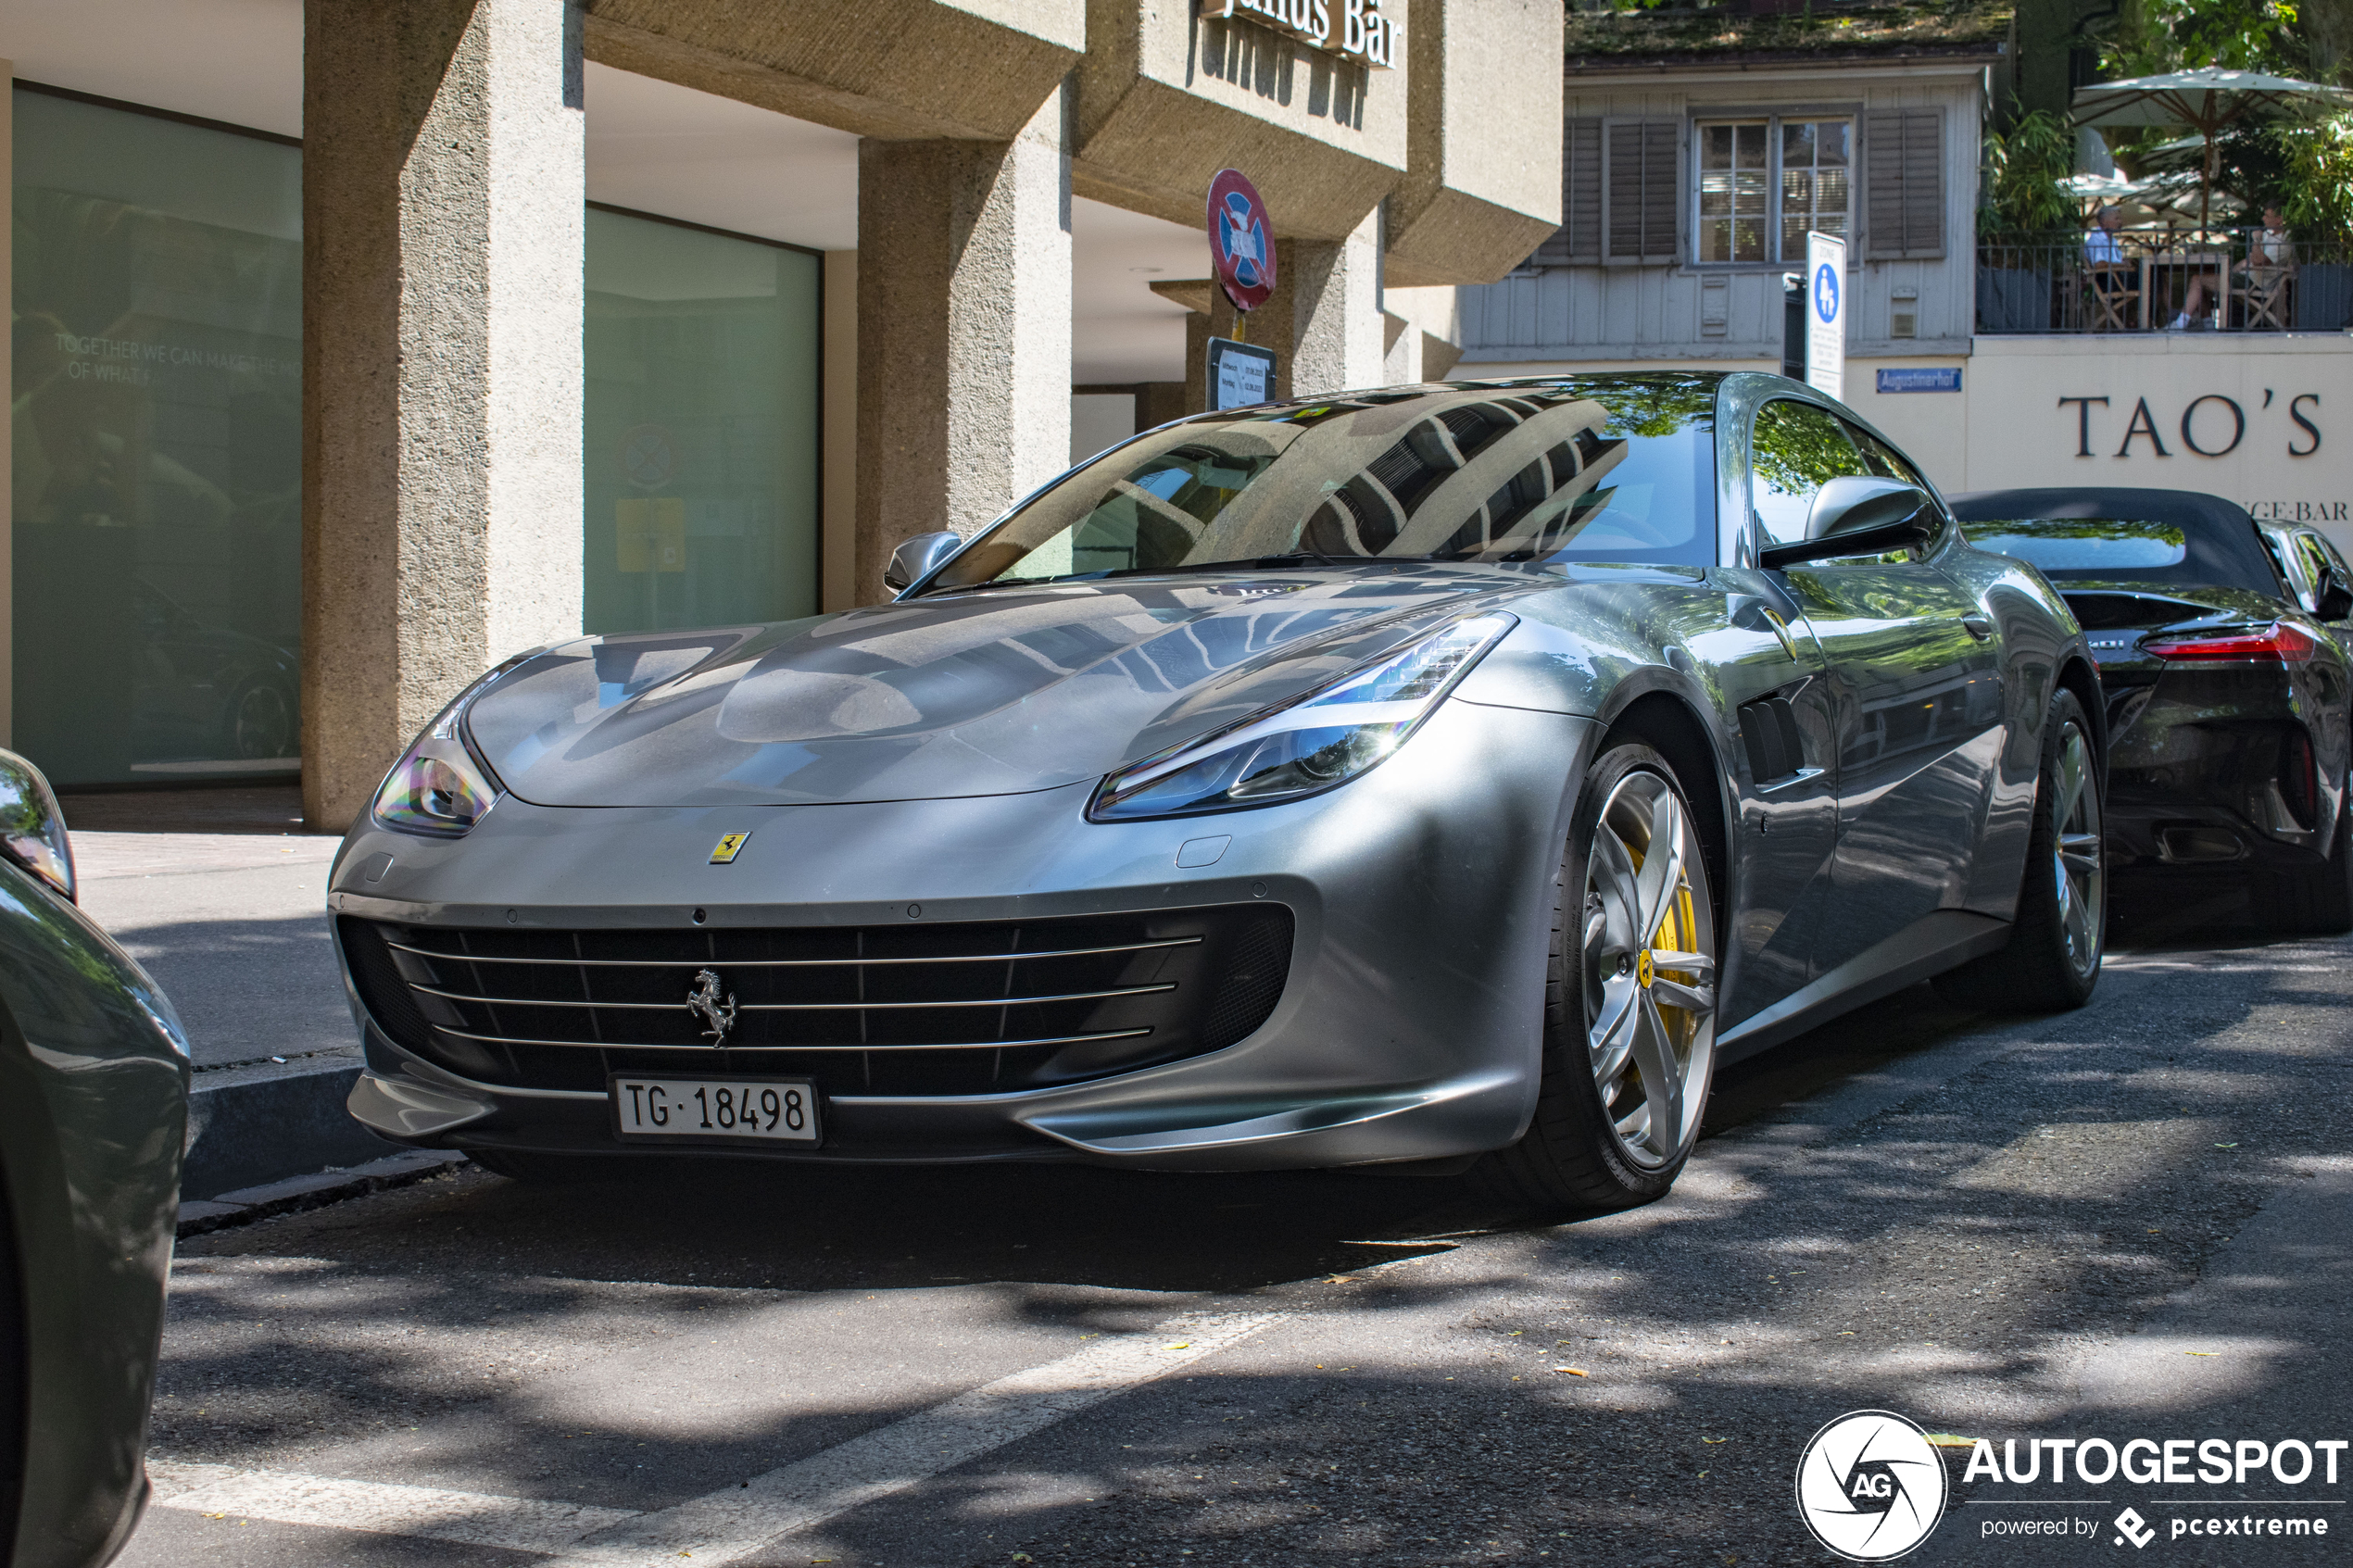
728,847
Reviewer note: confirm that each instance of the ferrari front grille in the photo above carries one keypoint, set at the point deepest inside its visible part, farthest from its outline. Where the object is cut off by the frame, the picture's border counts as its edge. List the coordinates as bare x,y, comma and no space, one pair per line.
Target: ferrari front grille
934,1008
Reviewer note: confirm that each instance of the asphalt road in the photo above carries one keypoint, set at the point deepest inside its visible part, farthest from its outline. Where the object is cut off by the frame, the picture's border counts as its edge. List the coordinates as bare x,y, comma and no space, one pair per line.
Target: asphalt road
233,927
2129,1221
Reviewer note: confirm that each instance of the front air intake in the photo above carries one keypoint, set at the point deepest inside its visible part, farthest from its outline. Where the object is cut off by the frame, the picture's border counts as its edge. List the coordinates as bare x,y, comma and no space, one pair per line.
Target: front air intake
940,1007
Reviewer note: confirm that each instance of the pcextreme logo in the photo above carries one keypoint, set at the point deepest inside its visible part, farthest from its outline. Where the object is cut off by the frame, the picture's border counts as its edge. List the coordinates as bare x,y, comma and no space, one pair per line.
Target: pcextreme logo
1870,1486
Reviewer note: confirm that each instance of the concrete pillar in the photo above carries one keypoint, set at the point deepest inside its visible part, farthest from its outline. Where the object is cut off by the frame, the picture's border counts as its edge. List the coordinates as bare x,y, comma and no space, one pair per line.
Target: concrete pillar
1330,292
1157,402
964,330
837,550
442,217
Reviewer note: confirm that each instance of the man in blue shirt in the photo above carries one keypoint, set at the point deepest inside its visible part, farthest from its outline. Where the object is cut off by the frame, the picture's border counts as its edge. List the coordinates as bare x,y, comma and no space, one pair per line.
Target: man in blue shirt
2110,277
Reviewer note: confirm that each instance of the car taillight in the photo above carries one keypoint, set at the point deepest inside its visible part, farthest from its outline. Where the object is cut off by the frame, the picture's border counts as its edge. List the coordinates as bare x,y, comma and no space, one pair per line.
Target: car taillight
2279,643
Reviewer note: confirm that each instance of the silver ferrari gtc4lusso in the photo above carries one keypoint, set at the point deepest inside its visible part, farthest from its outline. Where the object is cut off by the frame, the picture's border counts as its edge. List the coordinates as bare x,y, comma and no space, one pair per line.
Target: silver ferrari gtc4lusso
1432,772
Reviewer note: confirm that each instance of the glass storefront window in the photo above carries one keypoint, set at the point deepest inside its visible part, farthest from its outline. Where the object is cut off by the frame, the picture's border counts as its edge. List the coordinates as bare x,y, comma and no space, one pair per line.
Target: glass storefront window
701,436
157,535
156,489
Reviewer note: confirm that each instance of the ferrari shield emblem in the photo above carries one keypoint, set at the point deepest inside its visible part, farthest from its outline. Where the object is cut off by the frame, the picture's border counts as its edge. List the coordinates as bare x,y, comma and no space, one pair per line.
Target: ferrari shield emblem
728,849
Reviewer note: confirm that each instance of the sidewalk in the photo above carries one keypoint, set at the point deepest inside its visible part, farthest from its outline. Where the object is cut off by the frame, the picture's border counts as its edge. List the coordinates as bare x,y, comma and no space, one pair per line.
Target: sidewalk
221,897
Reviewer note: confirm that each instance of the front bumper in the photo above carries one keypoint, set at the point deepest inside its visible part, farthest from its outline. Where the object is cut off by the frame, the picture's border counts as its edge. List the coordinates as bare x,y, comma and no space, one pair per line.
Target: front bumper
1408,1029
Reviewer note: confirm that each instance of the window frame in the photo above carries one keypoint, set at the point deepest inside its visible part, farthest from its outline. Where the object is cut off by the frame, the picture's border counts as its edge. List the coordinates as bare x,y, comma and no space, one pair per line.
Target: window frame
1773,119
1913,555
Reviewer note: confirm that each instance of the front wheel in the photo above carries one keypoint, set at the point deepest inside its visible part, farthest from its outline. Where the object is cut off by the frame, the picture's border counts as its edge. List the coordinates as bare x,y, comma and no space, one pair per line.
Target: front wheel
2053,957
1629,1000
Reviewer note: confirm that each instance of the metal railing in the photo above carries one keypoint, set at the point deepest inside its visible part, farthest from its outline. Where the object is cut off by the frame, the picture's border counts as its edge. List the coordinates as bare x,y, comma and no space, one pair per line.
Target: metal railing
2232,282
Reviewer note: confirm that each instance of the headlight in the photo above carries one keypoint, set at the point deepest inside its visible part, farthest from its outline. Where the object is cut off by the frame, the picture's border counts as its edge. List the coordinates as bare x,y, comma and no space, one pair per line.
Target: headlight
1308,744
32,831
439,788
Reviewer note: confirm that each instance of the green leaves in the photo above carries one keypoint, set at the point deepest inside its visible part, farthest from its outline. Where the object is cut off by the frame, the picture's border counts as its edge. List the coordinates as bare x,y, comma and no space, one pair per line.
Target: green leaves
2023,170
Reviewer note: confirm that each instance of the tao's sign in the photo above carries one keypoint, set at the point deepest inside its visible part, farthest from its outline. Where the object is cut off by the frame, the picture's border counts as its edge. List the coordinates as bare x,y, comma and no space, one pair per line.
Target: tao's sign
1242,239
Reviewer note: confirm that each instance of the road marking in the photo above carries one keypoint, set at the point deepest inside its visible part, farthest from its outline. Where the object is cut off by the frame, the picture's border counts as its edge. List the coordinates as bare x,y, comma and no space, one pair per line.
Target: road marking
285,1498
729,1524
726,1525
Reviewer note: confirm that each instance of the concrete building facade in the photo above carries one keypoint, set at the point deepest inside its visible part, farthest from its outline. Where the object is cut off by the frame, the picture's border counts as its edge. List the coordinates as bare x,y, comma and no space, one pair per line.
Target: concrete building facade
363,343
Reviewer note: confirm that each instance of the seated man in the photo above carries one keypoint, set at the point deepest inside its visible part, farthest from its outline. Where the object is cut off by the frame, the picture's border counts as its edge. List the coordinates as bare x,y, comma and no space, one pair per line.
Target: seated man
2110,275
2099,244
2270,262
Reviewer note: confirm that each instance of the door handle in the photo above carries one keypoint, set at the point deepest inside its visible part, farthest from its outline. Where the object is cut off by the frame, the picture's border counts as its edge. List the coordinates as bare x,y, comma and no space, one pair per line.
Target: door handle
1979,627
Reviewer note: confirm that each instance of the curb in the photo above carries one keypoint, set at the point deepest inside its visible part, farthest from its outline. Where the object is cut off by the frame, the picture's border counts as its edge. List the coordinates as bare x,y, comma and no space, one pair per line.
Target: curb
266,1122
294,1194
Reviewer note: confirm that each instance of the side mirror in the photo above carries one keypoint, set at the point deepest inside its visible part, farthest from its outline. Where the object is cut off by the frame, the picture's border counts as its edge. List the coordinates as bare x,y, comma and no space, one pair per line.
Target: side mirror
32,831
1856,516
918,558
2334,599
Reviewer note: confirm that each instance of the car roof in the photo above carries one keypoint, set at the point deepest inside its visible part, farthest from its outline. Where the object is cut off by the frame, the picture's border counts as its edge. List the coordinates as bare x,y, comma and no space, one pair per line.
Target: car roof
2182,509
2220,525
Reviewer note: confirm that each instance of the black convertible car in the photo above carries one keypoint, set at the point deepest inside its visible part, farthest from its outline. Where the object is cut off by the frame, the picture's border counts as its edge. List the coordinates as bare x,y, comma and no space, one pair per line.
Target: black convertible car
2226,691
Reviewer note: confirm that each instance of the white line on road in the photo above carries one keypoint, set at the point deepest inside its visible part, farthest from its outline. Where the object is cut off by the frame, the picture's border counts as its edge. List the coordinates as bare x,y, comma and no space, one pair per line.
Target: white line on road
285,1498
729,1524
726,1525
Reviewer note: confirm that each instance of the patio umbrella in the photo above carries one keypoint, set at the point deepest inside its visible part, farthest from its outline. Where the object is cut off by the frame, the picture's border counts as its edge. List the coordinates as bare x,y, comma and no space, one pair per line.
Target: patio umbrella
2206,101
2169,198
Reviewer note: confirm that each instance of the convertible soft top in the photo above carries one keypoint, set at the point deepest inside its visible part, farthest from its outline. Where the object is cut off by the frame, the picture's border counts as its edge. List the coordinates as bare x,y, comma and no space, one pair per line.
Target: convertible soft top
2222,535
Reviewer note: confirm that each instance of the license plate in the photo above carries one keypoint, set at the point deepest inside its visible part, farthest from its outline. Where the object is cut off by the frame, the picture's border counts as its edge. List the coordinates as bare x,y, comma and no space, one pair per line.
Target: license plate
777,1110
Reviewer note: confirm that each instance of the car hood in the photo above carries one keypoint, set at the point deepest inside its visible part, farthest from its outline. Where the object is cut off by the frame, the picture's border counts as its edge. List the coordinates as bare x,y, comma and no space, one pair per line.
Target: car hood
986,693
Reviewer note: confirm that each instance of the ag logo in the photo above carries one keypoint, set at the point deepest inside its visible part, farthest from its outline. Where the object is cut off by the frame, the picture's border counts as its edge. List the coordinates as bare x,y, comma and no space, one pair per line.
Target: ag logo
1869,1486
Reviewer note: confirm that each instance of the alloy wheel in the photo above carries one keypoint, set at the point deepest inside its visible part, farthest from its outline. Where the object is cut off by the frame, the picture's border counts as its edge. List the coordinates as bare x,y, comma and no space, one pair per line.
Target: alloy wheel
1648,945
261,725
2077,860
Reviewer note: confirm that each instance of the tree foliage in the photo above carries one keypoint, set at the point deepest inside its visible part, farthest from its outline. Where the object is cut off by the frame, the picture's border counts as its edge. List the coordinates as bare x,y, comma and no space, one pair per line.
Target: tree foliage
2303,166
2318,189
2023,169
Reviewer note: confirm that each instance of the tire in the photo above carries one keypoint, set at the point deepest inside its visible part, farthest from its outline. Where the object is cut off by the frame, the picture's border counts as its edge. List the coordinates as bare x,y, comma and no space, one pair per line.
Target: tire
2310,900
1591,1145
2052,961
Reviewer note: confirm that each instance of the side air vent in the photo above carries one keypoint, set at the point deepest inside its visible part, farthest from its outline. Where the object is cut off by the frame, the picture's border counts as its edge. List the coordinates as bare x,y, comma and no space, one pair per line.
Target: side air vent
1776,747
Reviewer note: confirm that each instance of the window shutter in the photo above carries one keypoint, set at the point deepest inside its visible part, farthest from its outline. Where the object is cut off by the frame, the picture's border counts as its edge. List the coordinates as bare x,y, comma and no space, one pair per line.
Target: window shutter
1903,184
1641,196
1579,236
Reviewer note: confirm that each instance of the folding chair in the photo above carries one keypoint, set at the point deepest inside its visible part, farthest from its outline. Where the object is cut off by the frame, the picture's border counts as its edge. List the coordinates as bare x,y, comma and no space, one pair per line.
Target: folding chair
2263,299
2112,289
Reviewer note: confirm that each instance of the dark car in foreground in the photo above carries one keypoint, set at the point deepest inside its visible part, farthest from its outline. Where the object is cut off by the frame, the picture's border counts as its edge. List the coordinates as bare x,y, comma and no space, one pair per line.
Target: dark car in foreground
2227,689
1416,774
93,1094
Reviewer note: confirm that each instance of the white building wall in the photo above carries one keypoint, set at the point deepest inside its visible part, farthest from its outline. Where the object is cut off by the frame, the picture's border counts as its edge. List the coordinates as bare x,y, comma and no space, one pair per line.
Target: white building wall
1623,311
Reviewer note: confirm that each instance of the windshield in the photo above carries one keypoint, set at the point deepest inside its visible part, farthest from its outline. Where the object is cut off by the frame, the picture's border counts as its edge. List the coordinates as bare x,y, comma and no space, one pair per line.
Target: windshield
1615,469
2115,549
